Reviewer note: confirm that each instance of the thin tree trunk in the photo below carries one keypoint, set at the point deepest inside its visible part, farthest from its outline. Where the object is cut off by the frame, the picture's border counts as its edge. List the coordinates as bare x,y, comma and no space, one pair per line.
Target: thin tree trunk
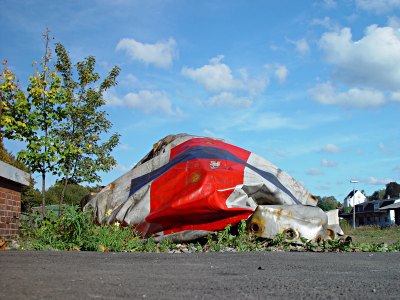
45,117
63,193
43,192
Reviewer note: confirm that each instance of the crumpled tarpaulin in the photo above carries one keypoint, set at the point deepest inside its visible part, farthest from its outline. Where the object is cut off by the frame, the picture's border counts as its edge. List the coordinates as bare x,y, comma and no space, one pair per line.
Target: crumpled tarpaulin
188,186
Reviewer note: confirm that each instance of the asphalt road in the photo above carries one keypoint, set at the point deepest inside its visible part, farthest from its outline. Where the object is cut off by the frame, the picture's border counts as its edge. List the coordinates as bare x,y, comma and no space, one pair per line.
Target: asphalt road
255,275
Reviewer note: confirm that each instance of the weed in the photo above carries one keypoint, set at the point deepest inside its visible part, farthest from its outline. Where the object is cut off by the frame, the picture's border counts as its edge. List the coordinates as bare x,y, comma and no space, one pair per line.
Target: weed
75,230
395,247
346,227
165,245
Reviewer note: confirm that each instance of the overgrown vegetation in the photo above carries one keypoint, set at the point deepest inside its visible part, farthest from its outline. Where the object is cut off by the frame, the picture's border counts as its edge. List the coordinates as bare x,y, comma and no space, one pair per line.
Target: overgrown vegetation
76,231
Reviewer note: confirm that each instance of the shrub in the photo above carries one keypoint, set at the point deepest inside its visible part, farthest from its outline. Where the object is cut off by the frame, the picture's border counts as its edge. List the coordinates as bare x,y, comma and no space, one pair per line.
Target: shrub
346,227
75,230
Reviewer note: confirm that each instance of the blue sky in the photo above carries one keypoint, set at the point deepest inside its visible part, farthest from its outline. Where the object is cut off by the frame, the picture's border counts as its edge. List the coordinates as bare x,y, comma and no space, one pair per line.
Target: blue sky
312,86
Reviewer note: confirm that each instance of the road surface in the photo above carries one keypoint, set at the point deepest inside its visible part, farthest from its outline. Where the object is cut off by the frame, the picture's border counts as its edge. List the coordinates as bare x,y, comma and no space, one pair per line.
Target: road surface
254,275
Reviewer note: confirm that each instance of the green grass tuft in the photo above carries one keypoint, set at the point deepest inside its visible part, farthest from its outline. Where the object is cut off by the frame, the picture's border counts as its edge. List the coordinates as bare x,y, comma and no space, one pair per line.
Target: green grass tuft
76,230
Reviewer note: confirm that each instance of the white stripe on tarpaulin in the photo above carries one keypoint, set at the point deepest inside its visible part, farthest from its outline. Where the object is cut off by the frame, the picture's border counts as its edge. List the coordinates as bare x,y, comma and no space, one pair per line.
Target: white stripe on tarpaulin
292,191
136,208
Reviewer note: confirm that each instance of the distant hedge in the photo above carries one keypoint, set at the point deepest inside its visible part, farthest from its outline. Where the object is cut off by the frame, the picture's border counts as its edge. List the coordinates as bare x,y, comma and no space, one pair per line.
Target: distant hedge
10,159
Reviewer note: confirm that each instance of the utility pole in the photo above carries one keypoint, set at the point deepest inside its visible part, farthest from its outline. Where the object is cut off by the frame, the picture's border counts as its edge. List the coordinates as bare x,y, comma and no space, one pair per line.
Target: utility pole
354,202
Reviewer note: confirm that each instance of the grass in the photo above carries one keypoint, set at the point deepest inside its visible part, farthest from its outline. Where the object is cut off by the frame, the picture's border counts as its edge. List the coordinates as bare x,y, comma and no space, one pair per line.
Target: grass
77,231
375,234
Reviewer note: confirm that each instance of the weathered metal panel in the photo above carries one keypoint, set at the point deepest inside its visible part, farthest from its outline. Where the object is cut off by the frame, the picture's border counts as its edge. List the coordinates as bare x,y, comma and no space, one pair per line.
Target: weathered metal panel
294,221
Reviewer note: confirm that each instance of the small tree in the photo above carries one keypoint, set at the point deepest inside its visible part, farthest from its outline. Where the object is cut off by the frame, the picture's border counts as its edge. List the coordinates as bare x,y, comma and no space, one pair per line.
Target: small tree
392,190
14,107
327,203
46,100
82,152
377,195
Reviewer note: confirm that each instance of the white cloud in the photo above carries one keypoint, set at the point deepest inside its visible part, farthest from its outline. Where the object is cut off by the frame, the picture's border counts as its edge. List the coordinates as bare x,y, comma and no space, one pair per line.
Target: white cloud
328,163
267,121
252,119
314,172
228,99
395,96
274,47
326,22
330,3
254,86
379,181
301,45
125,147
144,100
129,80
360,152
394,22
330,148
384,149
217,76
373,61
378,6
281,73
360,98
160,54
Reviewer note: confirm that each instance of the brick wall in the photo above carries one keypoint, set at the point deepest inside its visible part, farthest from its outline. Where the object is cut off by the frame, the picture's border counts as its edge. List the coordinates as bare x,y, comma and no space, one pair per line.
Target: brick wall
10,208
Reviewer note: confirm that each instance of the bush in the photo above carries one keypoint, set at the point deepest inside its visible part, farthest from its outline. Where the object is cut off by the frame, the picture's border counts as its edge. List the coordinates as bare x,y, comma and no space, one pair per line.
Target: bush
75,230
73,193
10,159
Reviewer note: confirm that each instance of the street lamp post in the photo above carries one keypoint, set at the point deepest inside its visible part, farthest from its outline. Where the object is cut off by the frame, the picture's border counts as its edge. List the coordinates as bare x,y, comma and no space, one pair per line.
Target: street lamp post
354,202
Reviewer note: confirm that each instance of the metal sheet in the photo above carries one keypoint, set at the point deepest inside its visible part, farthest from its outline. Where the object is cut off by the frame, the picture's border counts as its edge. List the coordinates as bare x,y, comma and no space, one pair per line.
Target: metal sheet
294,221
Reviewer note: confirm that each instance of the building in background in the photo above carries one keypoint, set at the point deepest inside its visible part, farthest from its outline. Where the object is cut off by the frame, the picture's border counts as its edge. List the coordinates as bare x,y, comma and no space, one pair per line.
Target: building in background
355,195
383,213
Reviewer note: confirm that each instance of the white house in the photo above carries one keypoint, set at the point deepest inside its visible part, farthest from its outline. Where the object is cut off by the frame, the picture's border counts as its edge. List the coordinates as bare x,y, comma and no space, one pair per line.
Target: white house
354,198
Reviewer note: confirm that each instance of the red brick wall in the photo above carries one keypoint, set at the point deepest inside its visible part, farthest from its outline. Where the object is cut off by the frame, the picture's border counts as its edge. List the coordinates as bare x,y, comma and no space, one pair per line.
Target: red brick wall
10,208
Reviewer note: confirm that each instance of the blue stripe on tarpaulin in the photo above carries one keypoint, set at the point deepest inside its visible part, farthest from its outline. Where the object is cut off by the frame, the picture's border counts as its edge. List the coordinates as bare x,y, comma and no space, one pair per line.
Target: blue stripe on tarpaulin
205,153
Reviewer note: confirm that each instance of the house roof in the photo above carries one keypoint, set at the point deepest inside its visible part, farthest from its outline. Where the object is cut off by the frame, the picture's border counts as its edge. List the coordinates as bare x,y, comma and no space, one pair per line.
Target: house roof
351,194
356,194
375,206
14,174
391,206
